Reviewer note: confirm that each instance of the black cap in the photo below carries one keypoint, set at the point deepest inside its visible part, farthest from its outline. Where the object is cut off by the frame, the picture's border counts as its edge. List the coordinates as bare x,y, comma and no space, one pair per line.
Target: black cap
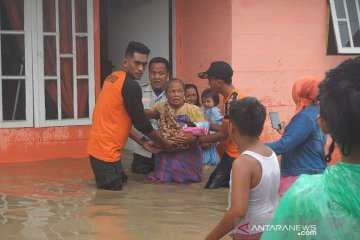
218,69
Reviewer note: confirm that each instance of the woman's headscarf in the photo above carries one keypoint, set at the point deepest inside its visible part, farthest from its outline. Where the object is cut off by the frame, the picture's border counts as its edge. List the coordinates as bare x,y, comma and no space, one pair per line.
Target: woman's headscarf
305,91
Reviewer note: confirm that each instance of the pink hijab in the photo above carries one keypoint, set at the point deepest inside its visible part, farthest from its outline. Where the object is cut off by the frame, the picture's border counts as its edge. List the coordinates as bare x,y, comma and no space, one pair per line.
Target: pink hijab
305,91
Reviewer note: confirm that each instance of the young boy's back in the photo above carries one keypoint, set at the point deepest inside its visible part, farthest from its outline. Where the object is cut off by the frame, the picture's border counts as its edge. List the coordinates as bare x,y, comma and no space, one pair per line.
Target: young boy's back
254,178
263,198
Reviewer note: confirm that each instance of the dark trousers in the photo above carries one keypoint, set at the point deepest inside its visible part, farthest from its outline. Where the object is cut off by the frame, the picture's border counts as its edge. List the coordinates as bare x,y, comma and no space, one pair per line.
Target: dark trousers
220,177
142,165
108,175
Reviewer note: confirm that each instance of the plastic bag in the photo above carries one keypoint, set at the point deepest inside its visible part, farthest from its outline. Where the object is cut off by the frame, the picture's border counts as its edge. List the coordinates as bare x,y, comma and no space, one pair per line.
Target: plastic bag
324,206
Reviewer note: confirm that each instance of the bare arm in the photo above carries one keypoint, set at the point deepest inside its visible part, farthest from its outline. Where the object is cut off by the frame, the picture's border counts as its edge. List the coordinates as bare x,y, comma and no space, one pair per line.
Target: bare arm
166,145
240,189
148,145
136,137
221,133
219,136
215,127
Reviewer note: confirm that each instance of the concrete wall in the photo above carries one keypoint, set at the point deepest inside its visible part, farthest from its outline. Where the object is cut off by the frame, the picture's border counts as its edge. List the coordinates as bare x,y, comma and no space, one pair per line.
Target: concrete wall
145,21
270,44
275,43
203,34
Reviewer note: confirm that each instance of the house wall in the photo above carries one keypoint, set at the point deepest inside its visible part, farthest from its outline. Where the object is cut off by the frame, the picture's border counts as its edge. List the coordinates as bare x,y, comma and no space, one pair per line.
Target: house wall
270,44
203,35
276,43
29,144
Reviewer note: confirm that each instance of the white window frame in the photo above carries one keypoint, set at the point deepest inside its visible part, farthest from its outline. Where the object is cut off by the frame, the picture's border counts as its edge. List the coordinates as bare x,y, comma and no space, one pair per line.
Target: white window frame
28,76
34,69
40,119
347,50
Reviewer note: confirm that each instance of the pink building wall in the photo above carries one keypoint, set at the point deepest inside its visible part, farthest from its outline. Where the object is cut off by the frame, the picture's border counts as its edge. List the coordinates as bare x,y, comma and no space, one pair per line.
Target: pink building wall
271,45
203,35
275,43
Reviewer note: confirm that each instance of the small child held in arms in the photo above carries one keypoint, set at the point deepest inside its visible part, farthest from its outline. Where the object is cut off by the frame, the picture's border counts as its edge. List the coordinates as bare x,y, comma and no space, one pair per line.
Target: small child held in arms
210,100
254,178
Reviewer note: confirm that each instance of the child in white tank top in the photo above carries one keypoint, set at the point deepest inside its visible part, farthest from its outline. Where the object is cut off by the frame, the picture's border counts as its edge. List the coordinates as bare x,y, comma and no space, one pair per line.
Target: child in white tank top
255,175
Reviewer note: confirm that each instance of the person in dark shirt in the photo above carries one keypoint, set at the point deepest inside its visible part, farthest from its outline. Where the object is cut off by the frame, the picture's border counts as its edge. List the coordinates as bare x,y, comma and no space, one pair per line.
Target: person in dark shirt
118,107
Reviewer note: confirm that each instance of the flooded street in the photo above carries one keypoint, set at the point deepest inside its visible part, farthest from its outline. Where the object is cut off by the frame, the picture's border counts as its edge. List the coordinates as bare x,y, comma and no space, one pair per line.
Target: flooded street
57,199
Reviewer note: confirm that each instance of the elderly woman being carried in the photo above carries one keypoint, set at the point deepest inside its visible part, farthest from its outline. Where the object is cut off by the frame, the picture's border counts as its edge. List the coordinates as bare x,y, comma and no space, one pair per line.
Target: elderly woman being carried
178,118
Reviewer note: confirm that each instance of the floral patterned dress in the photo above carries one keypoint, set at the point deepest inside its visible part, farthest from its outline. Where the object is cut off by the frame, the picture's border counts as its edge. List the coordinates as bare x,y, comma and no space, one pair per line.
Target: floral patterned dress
184,165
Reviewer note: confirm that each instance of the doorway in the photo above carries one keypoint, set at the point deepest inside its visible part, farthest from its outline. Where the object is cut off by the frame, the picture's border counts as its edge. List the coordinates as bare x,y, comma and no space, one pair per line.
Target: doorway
146,21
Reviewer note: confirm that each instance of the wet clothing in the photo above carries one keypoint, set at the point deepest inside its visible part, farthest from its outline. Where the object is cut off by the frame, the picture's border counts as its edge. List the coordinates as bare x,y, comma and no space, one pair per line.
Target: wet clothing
142,165
254,236
108,175
285,183
144,161
149,99
220,177
117,107
263,198
227,149
184,165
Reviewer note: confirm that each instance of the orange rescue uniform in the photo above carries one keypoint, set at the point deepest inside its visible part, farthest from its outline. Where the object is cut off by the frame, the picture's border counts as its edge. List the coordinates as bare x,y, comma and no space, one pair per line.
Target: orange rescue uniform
111,122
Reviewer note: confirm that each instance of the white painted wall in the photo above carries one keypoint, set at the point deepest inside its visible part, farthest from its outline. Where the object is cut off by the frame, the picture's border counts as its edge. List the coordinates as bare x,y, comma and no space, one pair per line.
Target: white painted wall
145,21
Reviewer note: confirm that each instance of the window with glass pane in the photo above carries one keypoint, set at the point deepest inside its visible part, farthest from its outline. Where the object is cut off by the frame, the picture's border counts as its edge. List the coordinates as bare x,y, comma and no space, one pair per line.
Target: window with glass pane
13,84
66,49
346,21
46,47
13,98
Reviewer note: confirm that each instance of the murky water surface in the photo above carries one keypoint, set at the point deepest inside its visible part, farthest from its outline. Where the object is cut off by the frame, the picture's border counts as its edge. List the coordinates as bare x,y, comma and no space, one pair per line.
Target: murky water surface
57,199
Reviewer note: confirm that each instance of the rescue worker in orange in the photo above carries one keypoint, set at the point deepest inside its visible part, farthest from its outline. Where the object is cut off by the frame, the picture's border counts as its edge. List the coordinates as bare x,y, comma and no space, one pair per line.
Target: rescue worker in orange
219,76
118,107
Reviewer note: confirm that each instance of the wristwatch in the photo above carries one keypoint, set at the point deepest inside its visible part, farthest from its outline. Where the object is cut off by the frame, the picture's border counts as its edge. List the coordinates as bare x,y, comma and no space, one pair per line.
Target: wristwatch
197,140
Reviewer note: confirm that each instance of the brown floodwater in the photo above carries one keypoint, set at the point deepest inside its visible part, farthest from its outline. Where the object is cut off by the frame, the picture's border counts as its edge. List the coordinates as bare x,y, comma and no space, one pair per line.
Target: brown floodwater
57,199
